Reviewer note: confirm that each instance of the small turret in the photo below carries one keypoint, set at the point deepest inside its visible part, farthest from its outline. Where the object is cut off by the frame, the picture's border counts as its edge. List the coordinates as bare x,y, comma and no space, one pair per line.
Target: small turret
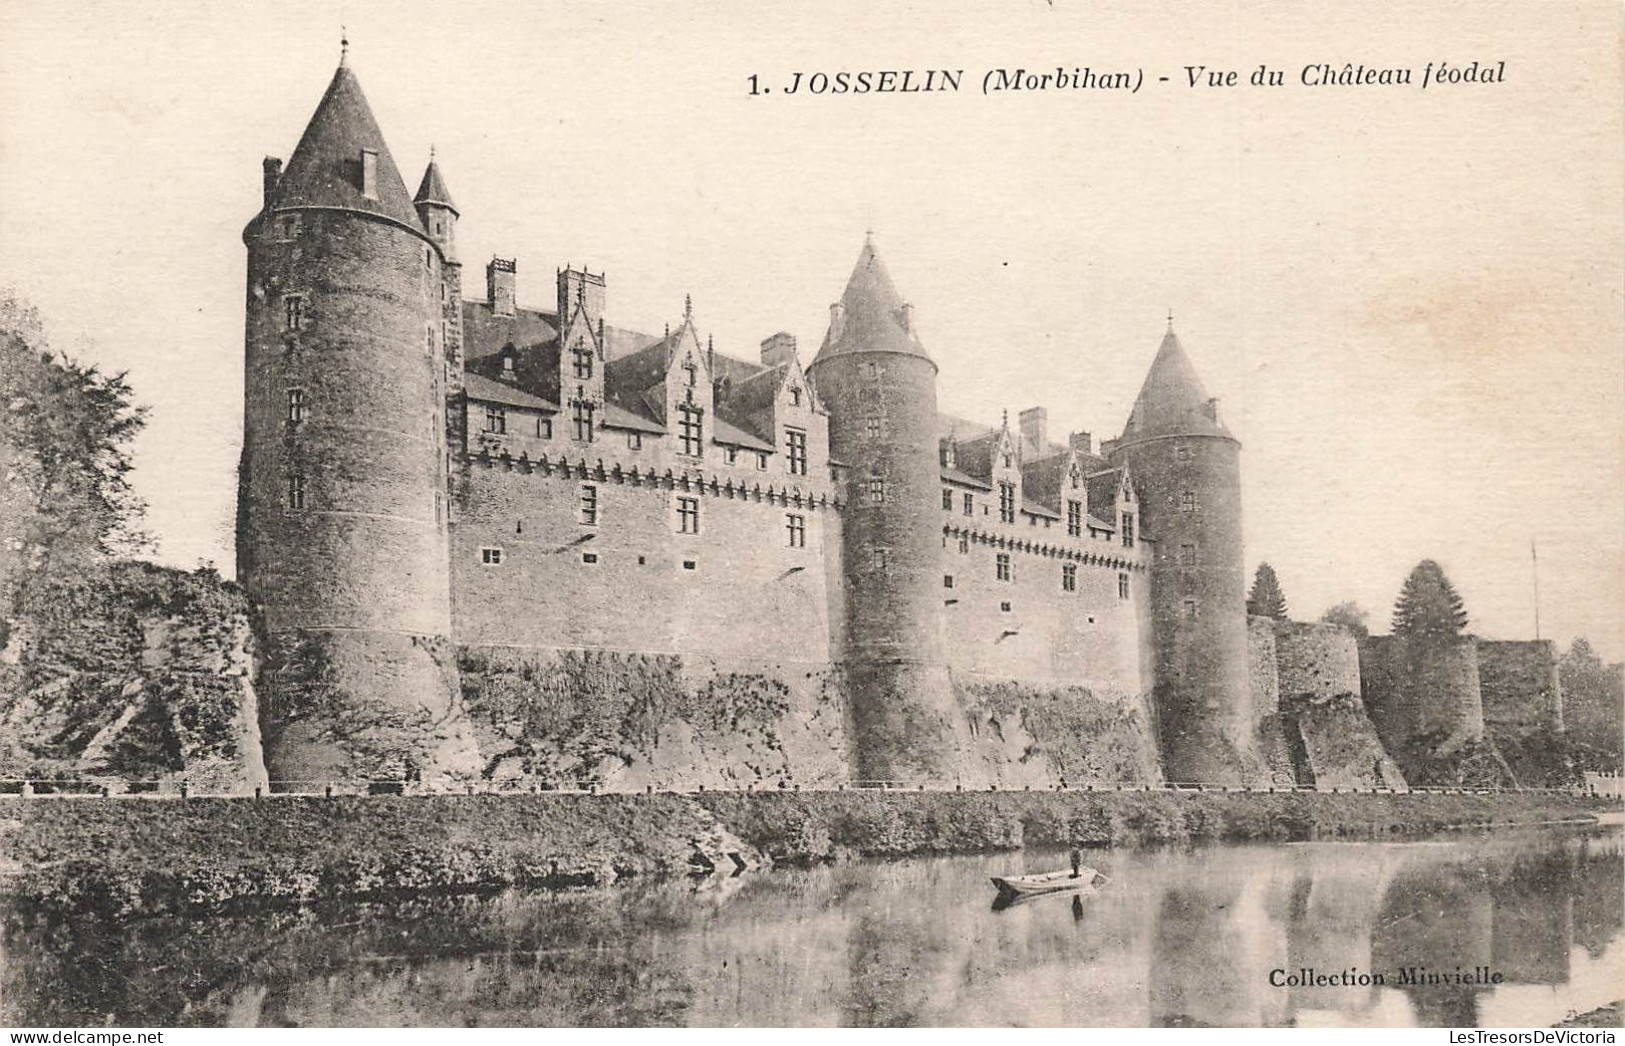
436,211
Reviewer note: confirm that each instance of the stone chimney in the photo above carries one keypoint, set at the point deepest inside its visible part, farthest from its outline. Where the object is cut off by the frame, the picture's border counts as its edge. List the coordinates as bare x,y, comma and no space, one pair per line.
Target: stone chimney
1035,427
837,320
1082,442
273,174
778,348
500,285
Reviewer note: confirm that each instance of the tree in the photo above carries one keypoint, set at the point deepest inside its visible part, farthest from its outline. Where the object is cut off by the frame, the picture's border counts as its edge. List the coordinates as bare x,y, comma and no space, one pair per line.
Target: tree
1593,708
1429,606
1266,599
65,430
1349,615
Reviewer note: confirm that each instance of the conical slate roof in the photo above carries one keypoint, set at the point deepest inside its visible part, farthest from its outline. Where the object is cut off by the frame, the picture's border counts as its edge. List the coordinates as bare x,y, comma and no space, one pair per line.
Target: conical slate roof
433,188
872,314
1173,401
325,169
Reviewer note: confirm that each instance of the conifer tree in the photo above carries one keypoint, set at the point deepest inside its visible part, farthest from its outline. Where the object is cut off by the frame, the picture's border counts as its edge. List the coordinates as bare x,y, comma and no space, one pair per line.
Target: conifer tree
1429,606
1266,599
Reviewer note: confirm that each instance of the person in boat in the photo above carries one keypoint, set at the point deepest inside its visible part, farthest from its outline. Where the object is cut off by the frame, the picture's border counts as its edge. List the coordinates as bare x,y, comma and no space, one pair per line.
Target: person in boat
1077,862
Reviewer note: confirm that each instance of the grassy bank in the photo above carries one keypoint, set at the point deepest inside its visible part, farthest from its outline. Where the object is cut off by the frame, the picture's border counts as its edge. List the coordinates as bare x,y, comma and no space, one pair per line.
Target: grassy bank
144,857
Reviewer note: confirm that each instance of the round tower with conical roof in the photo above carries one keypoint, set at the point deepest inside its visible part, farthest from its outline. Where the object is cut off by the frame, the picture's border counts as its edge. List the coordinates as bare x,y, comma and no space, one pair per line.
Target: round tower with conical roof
880,388
1187,465
341,536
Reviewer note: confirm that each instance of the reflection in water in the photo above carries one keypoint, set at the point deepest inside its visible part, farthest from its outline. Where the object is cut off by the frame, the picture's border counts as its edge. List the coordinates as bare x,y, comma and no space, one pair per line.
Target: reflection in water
1178,938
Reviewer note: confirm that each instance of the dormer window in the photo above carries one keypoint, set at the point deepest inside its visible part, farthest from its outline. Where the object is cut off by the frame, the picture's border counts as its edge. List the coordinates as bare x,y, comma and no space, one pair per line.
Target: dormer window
507,368
949,458
582,357
369,173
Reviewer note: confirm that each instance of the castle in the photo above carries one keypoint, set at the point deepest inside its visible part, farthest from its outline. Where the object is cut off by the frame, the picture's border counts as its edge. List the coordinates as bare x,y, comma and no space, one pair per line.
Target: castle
436,487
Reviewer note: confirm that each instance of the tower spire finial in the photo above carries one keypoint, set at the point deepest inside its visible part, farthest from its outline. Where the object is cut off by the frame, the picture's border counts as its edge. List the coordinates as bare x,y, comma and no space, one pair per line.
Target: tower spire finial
431,152
344,47
1170,319
688,306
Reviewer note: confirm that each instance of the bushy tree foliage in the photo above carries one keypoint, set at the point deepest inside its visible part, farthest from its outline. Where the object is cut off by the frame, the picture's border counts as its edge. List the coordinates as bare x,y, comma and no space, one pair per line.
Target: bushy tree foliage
1593,708
1429,607
1349,615
65,432
1266,598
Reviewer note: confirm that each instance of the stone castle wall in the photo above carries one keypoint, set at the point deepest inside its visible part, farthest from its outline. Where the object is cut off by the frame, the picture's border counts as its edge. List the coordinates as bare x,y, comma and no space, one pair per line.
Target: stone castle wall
1320,694
1522,698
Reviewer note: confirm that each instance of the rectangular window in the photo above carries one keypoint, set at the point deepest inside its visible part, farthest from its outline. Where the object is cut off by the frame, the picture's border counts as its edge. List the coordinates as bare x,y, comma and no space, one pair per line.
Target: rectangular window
1007,502
1187,501
1122,586
877,489
1074,519
690,431
872,427
797,528
491,557
1069,577
287,226
964,546
296,405
589,557
296,492
796,441
496,419
947,581
634,441
1191,610
970,505
1004,608
731,455
947,500
293,307
878,558
1182,452
581,420
689,564
1001,566
589,504
1128,530
544,427
582,357
1187,555
761,461
688,515
369,174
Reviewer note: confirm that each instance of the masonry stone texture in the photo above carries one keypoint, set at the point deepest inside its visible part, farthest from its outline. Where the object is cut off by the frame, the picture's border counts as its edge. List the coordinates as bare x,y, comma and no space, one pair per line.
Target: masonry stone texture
489,540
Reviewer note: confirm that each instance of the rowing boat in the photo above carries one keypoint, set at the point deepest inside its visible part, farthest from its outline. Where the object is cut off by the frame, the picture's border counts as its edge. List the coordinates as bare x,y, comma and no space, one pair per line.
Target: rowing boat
1013,886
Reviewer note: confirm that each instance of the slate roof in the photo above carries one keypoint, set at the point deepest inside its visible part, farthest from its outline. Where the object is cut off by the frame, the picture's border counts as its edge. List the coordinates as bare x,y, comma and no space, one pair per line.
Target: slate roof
873,313
956,476
325,168
1173,400
486,390
433,188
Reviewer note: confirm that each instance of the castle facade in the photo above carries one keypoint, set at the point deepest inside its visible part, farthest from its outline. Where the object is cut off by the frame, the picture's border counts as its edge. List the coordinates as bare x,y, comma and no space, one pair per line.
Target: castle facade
433,481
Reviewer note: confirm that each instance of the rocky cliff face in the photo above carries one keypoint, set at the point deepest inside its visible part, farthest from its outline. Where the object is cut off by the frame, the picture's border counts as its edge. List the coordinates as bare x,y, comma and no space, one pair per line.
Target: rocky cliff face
132,672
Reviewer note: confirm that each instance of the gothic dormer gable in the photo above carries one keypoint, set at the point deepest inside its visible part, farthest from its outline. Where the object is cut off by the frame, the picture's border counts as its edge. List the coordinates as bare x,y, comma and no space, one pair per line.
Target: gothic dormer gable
689,392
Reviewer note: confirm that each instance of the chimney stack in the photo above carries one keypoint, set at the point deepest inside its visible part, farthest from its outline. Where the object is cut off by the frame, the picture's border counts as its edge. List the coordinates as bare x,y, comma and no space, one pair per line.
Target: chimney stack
778,348
501,277
837,320
273,175
1082,442
1035,428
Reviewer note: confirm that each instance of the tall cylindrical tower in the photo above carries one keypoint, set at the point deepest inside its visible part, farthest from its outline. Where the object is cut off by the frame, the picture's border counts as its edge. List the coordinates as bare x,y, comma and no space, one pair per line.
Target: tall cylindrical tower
341,538
1187,465
880,389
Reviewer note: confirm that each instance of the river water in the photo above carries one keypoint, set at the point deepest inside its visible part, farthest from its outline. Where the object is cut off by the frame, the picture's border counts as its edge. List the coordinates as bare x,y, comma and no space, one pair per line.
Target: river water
1179,937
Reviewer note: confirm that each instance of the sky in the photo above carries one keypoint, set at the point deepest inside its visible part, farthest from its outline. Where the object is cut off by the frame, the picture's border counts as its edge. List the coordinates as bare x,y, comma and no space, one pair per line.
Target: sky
1408,301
